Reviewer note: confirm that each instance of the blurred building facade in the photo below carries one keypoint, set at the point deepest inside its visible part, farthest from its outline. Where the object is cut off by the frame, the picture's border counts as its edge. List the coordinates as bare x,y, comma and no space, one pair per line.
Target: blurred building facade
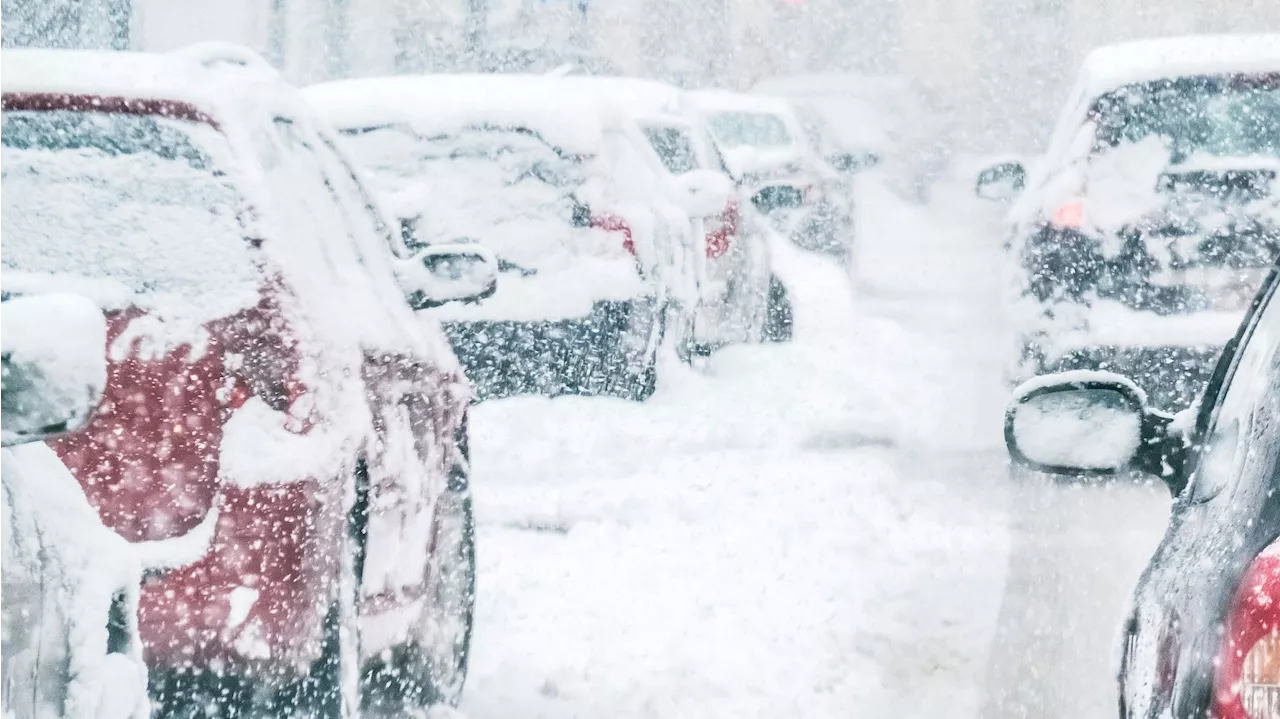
998,68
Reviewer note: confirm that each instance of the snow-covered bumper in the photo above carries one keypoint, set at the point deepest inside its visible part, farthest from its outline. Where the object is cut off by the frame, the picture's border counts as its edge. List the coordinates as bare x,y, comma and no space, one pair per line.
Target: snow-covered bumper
609,351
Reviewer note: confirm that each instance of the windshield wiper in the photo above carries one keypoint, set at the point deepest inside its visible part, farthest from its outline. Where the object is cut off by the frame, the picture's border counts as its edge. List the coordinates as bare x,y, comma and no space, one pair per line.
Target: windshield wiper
509,266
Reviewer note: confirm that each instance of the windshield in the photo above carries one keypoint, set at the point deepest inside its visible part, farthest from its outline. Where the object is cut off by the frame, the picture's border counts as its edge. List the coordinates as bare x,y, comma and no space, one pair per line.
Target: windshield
750,129
133,200
1230,116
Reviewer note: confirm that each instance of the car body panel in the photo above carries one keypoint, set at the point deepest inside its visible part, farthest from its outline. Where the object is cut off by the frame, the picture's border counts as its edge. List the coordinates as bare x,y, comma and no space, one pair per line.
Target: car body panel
336,347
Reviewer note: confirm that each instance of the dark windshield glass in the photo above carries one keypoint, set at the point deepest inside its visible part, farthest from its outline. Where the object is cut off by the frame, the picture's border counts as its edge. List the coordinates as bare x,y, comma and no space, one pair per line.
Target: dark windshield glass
1222,116
134,200
674,148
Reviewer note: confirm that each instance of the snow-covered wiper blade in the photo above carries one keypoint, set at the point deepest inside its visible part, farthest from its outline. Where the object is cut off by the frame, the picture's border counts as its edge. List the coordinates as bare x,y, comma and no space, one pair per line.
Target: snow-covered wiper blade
509,266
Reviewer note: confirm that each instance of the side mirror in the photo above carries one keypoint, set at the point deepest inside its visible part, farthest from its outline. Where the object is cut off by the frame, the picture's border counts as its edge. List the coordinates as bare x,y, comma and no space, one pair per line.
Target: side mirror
448,273
704,193
777,197
1089,423
1002,181
853,162
54,367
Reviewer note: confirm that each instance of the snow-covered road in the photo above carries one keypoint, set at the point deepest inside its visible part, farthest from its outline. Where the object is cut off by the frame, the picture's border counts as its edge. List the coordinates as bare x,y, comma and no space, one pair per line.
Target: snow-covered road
813,529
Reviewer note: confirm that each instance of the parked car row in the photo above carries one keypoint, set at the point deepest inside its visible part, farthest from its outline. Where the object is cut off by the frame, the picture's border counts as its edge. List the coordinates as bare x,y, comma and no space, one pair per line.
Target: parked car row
1147,241
297,297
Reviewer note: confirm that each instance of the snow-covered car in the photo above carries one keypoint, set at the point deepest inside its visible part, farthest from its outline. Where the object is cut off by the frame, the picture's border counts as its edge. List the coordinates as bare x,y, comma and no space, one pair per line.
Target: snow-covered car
281,439
765,150
70,586
1200,639
592,250
858,121
1148,225
739,297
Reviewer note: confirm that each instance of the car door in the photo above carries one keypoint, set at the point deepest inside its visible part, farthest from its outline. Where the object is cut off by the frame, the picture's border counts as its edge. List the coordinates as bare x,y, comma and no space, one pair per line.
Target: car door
1226,512
416,408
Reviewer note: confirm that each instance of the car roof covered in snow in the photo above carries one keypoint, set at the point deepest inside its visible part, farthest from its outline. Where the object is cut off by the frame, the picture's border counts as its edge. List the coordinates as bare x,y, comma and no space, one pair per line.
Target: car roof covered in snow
442,103
201,75
1113,66
640,98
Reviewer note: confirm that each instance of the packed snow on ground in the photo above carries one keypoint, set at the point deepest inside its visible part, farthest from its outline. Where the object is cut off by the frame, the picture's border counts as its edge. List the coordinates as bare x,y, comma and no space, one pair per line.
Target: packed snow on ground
786,531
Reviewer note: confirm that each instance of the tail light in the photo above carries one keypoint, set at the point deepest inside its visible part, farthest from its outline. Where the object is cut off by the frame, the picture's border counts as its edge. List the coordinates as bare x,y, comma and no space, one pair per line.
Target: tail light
612,223
1247,683
718,239
1069,215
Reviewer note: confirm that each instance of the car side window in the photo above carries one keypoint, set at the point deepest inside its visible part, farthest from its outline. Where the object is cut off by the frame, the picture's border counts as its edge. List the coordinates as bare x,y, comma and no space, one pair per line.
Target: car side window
674,147
1241,448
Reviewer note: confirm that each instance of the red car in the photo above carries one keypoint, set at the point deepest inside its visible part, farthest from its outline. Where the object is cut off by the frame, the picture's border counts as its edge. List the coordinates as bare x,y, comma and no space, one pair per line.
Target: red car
281,438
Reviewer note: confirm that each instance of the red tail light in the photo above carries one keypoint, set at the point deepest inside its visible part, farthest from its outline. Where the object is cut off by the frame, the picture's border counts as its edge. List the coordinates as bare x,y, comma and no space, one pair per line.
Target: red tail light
1247,683
613,223
718,239
1070,215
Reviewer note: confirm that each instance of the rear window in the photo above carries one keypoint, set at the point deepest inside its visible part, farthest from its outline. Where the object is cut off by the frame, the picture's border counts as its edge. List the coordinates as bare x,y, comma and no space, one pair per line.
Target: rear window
506,187
134,200
674,148
1223,116
749,129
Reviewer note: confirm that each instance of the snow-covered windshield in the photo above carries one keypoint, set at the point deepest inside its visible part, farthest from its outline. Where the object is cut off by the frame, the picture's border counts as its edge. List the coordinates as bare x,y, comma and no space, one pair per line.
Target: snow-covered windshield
136,200
480,183
1222,116
749,129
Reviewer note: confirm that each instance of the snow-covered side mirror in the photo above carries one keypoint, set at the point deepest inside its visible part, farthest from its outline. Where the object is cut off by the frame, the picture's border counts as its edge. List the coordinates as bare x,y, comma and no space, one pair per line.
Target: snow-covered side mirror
448,273
1088,423
1002,181
704,193
53,352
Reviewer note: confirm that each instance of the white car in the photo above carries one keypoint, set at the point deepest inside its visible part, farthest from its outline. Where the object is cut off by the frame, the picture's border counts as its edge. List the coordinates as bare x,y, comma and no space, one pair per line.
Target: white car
740,299
1148,225
765,149
859,121
70,640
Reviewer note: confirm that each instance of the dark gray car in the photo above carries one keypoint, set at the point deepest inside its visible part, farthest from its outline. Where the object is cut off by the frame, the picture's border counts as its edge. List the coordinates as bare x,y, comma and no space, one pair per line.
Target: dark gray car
1203,635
